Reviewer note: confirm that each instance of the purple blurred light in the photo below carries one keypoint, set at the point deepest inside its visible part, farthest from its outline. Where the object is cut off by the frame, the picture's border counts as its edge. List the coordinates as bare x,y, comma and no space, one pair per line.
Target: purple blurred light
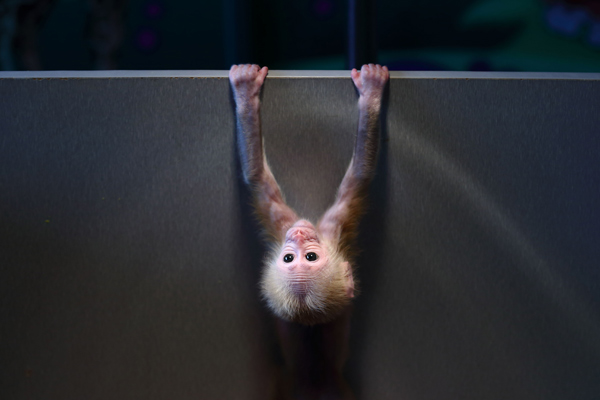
154,9
323,8
147,39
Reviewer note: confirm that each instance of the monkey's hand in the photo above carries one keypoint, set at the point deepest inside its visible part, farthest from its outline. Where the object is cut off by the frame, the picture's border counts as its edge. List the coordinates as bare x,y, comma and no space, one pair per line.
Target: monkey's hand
246,81
370,82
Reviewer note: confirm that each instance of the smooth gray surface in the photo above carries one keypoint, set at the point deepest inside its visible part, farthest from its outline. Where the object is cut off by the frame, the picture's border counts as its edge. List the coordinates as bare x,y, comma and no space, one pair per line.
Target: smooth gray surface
129,263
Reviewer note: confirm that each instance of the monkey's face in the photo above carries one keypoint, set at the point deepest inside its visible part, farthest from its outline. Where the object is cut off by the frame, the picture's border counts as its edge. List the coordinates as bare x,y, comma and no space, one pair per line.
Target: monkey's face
303,254
307,281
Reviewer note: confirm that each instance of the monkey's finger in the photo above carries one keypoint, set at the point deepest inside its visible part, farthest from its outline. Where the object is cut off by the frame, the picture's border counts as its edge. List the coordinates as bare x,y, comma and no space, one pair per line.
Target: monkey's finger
262,74
251,70
356,79
233,74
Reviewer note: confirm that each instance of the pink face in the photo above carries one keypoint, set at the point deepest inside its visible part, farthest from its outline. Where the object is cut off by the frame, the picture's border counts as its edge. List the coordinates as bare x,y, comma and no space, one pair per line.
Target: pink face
303,254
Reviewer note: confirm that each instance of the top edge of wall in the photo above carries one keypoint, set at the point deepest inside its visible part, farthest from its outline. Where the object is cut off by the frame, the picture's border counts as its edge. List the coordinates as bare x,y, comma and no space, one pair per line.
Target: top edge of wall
293,74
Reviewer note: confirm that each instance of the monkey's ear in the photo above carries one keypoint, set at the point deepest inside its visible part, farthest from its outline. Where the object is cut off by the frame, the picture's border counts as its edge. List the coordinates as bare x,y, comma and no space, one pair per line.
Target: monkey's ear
349,279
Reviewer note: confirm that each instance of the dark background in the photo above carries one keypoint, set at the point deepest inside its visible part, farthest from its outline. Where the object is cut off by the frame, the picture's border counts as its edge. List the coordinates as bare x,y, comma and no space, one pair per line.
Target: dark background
129,260
465,35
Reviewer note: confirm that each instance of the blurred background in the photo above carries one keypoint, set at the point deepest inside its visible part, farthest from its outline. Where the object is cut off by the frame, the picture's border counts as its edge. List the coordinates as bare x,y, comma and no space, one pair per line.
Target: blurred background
461,35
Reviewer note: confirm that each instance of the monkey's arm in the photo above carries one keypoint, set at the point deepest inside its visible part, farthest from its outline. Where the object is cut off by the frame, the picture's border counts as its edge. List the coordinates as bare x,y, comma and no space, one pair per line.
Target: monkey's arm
275,215
340,222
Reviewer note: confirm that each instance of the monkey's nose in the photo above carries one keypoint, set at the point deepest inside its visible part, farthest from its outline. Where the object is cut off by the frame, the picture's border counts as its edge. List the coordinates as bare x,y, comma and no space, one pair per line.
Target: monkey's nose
301,269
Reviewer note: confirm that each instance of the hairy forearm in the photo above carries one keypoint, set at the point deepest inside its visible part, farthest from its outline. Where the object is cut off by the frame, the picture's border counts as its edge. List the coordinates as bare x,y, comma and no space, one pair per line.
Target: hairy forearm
249,138
362,166
367,140
364,159
275,215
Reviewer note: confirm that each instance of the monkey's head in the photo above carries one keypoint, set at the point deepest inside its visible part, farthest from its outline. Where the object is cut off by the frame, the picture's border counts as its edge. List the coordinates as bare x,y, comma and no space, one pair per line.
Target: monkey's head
306,279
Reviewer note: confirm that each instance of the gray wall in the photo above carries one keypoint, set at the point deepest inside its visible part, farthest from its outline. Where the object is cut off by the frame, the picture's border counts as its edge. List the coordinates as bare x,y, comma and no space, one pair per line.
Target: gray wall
129,262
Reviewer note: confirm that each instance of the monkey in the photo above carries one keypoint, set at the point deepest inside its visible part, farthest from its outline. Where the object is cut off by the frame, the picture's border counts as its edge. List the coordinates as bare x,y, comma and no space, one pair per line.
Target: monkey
307,277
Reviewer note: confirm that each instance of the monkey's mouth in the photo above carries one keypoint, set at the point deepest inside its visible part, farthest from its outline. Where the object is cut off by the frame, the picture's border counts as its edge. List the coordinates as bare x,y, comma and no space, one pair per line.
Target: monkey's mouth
301,235
302,231
299,288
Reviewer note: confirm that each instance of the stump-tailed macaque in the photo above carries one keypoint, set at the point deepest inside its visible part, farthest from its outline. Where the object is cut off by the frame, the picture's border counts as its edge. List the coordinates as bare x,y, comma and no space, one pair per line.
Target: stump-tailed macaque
308,276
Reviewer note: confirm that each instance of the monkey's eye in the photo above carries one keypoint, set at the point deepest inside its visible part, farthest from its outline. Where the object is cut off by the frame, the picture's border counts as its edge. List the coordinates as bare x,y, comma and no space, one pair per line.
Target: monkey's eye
288,258
311,256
